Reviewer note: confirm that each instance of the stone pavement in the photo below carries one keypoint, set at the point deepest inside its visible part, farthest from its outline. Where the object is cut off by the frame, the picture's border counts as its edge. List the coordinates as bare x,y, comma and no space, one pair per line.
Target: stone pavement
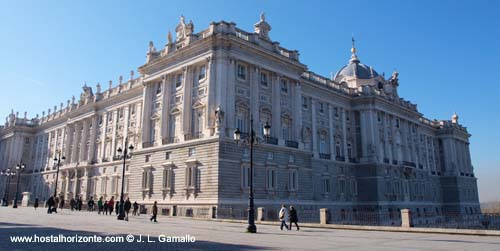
211,235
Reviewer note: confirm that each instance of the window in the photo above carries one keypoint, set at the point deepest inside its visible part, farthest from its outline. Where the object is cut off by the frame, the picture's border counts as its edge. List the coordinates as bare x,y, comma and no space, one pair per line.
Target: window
191,177
304,102
146,158
326,185
167,155
271,179
145,179
284,85
120,113
245,177
321,107
178,80
337,148
322,143
203,72
397,123
110,116
132,109
242,72
191,151
104,184
158,88
336,112
349,150
263,79
292,180
342,186
270,155
167,178
347,116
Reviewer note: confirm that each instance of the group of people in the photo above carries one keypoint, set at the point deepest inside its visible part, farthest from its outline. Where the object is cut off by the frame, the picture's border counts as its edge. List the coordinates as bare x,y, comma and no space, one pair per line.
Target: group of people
288,215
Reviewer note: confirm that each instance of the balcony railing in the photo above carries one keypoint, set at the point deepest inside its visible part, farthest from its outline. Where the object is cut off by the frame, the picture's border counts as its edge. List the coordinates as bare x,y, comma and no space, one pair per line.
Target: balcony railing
115,158
293,144
408,163
353,160
106,159
324,156
196,135
339,158
271,140
169,140
386,160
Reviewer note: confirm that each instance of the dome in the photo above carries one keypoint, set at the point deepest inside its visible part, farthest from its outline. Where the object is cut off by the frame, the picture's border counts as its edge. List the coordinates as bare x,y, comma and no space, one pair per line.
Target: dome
355,69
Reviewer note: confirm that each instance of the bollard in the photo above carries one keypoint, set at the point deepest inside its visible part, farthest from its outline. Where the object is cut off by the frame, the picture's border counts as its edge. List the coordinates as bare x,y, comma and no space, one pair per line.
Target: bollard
323,216
406,218
261,214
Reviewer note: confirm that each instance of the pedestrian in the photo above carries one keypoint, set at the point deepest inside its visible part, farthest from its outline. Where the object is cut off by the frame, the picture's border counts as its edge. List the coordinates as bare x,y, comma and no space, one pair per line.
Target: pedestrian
61,203
127,207
283,217
117,207
105,207
155,212
50,204
293,218
100,206
79,203
72,203
36,203
136,207
90,204
111,204
56,204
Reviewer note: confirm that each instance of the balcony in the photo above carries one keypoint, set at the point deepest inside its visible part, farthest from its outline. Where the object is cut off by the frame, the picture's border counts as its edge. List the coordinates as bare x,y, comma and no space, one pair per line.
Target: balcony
169,140
271,140
293,144
116,158
105,159
409,163
353,160
196,135
147,144
386,160
324,156
340,158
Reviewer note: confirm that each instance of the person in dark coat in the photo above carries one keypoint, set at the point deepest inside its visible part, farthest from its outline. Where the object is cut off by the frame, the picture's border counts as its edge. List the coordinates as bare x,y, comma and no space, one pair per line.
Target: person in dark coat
50,204
61,203
72,204
56,204
111,204
90,204
127,207
36,203
136,207
293,218
155,213
117,207
105,207
79,203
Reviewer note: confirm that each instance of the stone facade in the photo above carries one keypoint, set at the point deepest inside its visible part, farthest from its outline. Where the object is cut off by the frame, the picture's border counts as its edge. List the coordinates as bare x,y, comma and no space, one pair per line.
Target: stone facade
349,144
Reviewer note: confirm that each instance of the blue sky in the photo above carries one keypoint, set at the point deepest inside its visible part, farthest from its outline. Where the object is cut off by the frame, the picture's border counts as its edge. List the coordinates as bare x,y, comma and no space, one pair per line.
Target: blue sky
445,51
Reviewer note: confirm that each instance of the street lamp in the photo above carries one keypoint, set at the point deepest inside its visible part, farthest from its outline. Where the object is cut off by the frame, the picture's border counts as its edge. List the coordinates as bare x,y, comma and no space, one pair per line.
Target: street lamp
19,169
7,173
253,140
58,160
127,154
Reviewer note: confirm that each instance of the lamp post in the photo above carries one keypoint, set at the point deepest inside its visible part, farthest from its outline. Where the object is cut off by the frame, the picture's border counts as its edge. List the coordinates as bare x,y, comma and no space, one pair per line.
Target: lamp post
7,173
127,154
58,160
252,140
19,169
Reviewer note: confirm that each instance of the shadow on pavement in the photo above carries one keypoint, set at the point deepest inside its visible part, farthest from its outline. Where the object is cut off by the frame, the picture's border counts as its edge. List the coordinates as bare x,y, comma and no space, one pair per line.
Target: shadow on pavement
8,230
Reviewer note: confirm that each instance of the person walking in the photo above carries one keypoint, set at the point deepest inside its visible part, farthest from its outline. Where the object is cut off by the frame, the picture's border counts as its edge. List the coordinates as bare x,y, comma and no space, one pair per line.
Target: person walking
90,204
50,204
117,207
293,218
79,204
56,204
111,204
61,203
100,206
36,203
72,203
105,207
155,213
284,216
127,207
136,207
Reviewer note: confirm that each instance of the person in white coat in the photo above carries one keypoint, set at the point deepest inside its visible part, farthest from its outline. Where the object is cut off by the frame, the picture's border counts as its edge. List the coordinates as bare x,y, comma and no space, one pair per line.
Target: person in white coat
284,216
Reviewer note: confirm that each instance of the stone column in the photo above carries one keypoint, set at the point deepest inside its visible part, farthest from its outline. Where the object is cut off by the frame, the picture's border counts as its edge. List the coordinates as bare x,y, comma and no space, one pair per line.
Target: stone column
85,182
331,132
138,125
314,129
126,117
261,214
103,136
323,216
50,149
186,105
93,133
113,136
276,116
406,218
297,111
165,110
76,141
146,114
83,147
254,97
344,134
210,108
230,105
69,142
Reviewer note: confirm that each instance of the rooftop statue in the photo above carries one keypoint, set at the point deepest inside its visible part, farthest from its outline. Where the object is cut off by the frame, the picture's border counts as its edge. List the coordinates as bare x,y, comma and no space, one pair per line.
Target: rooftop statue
183,30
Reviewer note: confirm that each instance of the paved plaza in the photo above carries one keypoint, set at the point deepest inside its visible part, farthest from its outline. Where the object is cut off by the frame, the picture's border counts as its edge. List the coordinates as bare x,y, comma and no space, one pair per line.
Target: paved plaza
211,235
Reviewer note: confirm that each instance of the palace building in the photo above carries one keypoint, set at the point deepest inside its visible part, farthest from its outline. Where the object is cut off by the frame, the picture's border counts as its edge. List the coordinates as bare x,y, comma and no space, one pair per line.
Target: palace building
348,143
